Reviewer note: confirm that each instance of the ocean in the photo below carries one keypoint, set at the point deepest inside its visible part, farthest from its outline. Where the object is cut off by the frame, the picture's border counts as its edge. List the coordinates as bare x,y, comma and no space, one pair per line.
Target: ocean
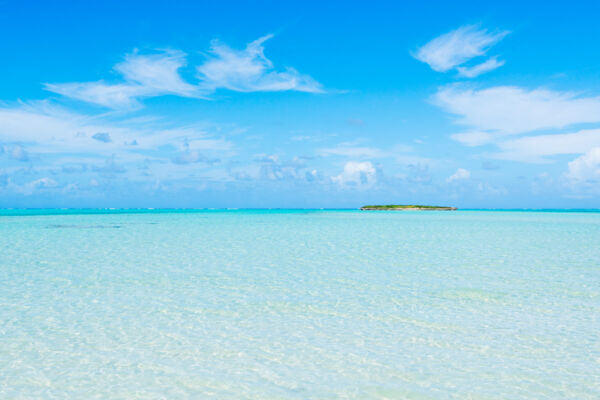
299,304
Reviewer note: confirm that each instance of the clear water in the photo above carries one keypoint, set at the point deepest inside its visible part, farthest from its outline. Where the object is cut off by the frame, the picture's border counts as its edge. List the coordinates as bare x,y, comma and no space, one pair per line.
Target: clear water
300,305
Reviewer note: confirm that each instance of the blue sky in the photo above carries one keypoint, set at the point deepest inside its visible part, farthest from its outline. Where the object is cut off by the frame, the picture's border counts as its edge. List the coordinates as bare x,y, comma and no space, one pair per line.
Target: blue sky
299,104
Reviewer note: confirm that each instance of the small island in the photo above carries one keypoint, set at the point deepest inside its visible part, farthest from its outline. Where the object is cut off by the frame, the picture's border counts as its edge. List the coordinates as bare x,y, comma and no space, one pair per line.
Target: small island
396,207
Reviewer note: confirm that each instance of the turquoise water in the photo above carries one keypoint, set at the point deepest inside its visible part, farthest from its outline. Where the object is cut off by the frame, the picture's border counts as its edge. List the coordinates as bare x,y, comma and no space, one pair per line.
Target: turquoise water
300,305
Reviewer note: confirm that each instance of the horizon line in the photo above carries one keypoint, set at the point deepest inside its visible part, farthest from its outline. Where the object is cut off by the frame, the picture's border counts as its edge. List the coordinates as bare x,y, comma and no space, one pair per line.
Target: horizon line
268,208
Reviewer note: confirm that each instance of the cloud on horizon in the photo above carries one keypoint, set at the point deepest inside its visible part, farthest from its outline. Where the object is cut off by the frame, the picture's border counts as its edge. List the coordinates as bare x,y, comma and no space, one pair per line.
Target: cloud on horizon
585,170
357,174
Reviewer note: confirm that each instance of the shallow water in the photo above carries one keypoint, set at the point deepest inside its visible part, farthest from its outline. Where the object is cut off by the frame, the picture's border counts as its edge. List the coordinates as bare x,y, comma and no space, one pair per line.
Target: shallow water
300,305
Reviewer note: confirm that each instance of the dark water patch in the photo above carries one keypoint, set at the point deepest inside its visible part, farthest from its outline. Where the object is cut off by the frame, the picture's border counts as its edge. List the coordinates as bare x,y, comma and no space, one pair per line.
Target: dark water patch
60,226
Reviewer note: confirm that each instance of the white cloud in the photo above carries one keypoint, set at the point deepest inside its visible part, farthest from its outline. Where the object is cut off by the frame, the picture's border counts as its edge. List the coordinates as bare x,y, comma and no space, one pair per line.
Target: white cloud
270,167
535,148
249,70
461,174
50,137
459,46
357,174
16,152
472,139
149,75
158,72
100,93
47,129
488,65
31,187
302,138
411,159
144,75
585,169
356,152
348,149
509,110
487,189
193,156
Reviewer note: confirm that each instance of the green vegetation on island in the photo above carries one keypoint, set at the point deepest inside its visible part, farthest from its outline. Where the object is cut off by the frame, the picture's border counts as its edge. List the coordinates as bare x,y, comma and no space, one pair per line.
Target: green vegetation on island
412,207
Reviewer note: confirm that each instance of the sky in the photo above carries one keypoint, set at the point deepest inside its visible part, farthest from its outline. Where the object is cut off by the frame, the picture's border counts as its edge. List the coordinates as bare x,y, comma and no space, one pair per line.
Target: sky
299,104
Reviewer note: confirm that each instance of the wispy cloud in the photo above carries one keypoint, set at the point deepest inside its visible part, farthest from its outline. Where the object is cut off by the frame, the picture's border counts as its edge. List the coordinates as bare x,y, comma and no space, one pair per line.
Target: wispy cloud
535,148
158,72
352,151
508,110
476,70
50,129
457,47
474,138
144,76
461,174
250,70
149,75
493,114
54,140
